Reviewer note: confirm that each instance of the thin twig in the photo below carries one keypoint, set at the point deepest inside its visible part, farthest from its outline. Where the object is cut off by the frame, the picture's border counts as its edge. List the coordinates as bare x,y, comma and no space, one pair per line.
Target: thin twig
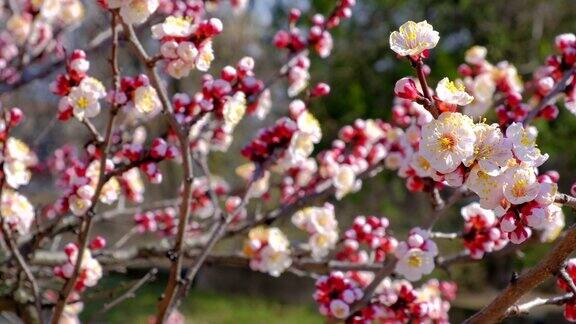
130,293
567,279
526,307
371,288
556,90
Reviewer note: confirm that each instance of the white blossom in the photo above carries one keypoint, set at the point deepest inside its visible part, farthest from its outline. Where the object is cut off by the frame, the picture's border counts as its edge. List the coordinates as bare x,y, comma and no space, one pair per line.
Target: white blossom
413,38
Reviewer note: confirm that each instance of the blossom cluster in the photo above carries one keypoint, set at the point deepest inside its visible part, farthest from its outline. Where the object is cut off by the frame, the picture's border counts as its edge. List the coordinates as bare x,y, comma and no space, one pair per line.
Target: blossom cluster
335,294
481,232
17,161
135,151
570,305
394,301
186,44
136,94
371,232
33,31
500,167
79,185
416,255
366,241
359,148
229,98
485,80
163,221
557,67
201,204
80,93
318,37
132,11
90,269
321,224
268,250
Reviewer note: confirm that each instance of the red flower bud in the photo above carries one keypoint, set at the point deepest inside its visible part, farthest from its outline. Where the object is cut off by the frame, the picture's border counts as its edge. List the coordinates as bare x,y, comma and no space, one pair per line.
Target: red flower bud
406,88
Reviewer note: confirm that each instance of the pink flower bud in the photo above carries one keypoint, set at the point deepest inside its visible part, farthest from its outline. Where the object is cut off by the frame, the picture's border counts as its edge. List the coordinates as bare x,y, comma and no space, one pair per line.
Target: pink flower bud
321,89
97,243
294,15
281,39
70,249
550,112
464,70
15,116
508,222
415,240
78,54
228,73
220,88
415,184
159,148
318,19
406,88
564,41
514,98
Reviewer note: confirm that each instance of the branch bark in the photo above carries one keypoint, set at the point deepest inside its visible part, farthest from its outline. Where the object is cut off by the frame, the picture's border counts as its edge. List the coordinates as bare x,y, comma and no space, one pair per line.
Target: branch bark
89,215
548,267
175,277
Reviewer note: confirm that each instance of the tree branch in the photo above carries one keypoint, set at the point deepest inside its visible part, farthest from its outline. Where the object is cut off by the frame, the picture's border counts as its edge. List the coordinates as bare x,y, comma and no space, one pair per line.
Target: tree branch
546,268
556,90
526,307
86,227
165,305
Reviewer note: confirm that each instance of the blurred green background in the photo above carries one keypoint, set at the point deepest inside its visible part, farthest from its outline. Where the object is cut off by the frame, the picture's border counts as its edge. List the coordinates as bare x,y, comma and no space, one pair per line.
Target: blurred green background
361,71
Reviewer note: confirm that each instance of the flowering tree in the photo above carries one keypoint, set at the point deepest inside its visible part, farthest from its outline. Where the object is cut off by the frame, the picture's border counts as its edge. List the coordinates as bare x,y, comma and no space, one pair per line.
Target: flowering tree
438,140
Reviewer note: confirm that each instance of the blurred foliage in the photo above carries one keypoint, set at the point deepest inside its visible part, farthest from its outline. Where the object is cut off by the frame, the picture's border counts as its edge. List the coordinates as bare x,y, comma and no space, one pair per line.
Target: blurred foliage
200,307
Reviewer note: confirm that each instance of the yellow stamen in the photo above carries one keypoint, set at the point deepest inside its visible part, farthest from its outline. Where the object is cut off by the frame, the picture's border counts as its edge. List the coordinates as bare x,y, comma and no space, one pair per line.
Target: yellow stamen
415,261
82,102
447,142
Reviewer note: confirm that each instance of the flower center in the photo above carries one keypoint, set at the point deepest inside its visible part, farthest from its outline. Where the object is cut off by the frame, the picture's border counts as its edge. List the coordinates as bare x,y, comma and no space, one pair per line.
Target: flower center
178,22
447,142
424,164
415,261
519,187
526,140
82,102
454,87
147,102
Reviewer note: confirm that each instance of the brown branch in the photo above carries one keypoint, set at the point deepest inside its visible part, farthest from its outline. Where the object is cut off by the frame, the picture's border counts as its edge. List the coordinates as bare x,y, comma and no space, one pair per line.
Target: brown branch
556,90
7,235
217,233
429,103
546,268
95,133
87,218
174,280
289,209
371,288
145,256
565,200
455,197
526,307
